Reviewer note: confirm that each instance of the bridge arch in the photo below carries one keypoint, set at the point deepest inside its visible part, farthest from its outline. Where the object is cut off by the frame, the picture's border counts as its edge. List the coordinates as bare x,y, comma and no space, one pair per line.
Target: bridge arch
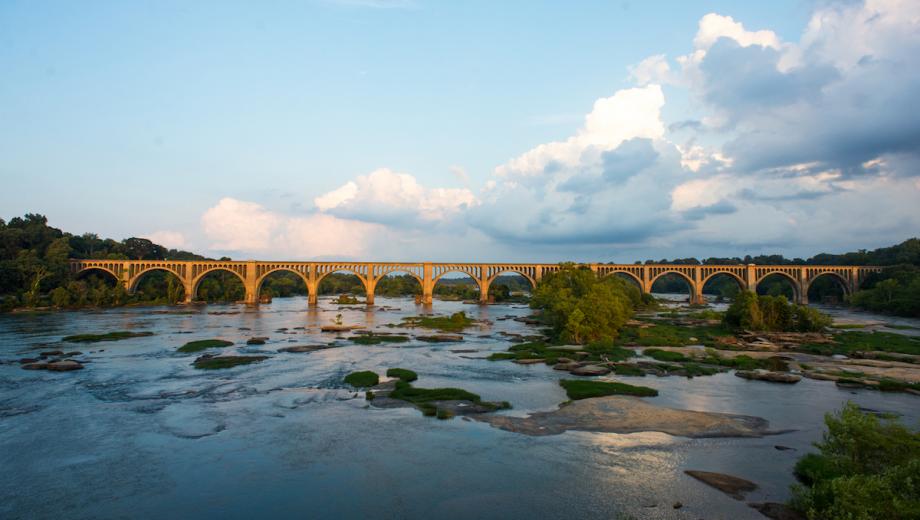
361,276
483,291
714,276
196,282
87,270
793,282
135,280
631,276
261,279
496,274
387,271
842,282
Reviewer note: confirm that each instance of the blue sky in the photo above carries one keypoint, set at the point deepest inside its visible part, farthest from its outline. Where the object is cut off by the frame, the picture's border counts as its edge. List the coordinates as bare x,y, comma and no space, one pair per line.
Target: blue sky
216,125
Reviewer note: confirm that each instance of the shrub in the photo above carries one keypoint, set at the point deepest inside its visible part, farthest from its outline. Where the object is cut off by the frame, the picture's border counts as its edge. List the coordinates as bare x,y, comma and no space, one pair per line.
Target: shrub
580,307
773,313
866,467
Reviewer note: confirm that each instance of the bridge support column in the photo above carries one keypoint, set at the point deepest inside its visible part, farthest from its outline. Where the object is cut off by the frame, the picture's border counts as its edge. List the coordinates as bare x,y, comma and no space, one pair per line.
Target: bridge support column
427,284
312,287
252,290
369,285
189,287
483,284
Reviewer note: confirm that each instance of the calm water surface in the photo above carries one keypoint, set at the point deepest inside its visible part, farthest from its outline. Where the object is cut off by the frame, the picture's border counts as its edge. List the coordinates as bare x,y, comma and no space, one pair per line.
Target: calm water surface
139,433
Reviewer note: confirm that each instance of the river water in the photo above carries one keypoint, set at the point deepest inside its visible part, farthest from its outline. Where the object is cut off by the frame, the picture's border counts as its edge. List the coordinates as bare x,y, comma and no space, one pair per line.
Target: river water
140,433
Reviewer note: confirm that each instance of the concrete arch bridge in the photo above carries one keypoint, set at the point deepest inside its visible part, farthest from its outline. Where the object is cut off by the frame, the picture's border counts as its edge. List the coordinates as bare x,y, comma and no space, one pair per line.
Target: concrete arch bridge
252,273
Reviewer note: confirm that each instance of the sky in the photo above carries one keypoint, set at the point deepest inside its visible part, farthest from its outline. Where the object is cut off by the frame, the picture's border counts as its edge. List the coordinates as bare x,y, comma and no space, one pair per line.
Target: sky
466,131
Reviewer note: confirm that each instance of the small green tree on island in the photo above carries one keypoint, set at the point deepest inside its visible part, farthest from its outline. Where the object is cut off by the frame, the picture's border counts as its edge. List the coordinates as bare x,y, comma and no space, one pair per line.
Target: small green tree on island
581,307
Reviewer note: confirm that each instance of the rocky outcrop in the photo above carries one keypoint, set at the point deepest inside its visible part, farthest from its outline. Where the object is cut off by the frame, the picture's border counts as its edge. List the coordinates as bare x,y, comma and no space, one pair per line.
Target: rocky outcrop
766,375
621,414
440,338
734,487
590,370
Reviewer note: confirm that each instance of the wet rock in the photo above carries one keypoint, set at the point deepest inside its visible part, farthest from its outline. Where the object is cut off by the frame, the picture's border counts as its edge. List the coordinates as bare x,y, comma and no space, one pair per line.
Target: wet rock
440,338
573,348
572,365
677,505
26,361
338,328
590,370
52,353
258,340
564,360
732,486
622,414
35,366
304,348
776,511
463,351
765,375
74,353
64,366
783,448
529,361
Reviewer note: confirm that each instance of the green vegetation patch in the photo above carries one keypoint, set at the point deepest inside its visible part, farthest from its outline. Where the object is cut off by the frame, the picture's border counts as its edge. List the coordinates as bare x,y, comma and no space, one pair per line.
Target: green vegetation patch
847,326
403,374
454,323
625,369
749,311
425,397
376,339
108,336
862,341
218,362
866,467
204,344
673,335
362,379
604,350
583,389
665,355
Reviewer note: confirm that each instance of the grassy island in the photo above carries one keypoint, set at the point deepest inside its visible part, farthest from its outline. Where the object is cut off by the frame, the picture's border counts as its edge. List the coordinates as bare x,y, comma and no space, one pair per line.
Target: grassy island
204,344
108,336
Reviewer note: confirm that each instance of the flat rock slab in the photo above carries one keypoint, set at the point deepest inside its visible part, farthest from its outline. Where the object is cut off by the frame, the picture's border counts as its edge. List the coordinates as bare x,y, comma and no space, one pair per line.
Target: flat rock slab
440,338
590,370
304,348
734,487
623,414
772,377
529,361
573,348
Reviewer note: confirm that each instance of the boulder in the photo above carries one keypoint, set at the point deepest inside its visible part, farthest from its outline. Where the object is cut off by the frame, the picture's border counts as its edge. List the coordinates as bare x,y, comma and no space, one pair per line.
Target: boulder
734,487
766,375
529,361
571,365
590,370
776,511
52,353
35,366
64,366
440,338
304,348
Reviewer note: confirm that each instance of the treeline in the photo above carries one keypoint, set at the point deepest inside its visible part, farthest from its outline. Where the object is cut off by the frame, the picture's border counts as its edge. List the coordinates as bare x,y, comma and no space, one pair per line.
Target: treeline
907,252
34,269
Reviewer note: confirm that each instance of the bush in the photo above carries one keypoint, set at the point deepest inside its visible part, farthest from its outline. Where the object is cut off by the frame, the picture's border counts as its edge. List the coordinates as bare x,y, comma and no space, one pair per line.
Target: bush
580,307
866,467
773,313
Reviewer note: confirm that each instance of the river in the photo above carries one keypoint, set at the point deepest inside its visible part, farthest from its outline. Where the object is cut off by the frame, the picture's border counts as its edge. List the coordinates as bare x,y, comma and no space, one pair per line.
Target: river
140,433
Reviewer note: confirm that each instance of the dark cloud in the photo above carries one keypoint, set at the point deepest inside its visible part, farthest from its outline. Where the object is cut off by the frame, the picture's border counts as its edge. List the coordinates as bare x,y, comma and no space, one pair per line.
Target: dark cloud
719,208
